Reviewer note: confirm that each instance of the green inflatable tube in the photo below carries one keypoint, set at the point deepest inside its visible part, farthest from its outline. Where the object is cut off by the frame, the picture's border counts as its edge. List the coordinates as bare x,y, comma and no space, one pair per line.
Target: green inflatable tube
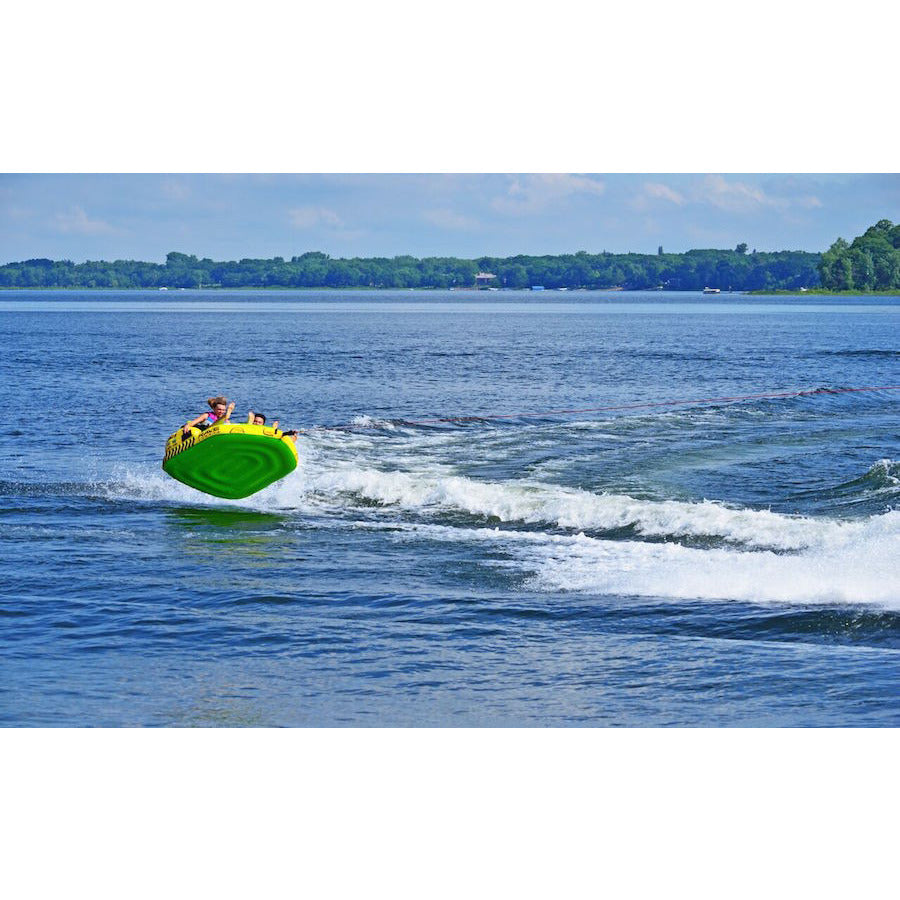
229,461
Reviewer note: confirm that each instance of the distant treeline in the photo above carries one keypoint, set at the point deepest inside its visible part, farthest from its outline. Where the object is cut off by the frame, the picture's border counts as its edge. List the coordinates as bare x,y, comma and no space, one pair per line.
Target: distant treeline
735,269
870,263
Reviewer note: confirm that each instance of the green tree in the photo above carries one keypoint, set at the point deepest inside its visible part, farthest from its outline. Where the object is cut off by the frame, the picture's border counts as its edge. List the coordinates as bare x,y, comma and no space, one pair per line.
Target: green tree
870,262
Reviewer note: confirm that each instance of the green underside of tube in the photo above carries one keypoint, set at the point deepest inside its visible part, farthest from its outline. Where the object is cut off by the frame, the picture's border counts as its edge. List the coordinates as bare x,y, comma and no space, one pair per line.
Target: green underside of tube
232,465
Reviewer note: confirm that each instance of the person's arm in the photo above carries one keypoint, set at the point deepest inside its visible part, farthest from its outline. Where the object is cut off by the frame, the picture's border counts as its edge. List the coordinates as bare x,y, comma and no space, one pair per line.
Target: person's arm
250,417
229,411
189,425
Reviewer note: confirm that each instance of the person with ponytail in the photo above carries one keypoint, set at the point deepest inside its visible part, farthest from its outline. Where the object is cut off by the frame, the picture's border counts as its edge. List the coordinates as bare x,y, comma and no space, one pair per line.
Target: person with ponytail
220,411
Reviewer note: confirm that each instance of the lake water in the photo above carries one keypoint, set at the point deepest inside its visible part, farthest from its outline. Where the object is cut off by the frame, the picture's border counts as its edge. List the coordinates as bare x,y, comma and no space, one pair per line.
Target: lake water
714,564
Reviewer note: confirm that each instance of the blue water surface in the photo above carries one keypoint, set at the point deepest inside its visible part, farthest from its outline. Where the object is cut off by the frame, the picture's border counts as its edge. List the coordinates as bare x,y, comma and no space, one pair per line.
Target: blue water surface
543,560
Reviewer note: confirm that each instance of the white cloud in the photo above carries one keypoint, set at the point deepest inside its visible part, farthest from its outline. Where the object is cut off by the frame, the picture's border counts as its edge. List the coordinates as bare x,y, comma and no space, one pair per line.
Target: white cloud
729,195
663,192
734,196
77,221
310,216
530,193
446,218
653,191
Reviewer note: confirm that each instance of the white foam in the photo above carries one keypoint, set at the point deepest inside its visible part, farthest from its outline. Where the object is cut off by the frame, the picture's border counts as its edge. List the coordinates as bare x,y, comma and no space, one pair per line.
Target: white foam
324,480
570,508
858,570
862,570
370,422
766,557
146,484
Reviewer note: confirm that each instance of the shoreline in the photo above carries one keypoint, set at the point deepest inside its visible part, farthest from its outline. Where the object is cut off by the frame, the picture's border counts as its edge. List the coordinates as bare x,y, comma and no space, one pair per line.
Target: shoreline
811,292
822,292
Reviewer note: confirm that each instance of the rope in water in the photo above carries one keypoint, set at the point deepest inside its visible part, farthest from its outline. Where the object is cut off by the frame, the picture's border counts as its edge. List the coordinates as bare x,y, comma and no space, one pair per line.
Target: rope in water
775,395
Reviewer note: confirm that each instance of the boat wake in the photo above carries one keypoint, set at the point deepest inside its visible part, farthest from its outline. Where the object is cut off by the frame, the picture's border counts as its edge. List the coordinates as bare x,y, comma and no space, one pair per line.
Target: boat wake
562,539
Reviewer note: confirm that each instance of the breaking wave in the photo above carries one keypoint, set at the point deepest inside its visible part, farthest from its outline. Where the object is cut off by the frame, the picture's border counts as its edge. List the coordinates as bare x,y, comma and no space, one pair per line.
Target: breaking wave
559,507
566,539
860,568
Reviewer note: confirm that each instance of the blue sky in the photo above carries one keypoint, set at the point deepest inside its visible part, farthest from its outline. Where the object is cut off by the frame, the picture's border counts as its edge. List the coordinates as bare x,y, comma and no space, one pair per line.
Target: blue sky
119,216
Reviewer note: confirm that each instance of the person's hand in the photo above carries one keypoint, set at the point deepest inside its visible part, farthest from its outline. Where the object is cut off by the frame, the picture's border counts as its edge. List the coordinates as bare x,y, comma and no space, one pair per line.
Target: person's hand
275,424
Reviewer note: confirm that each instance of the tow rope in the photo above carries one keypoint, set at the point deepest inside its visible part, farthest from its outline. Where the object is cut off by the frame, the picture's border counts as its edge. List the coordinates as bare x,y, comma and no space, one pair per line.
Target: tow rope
775,395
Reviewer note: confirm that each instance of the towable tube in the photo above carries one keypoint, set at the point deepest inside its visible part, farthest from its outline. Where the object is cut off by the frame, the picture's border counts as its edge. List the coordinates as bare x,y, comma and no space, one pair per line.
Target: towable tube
229,460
